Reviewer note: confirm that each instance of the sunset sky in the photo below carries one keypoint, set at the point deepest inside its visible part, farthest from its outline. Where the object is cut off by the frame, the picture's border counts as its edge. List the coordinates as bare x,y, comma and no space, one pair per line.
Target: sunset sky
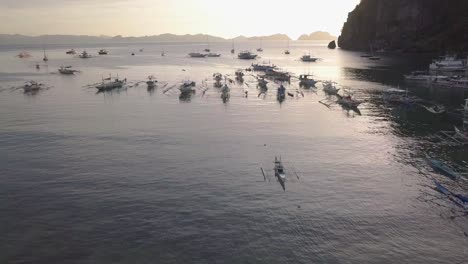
151,17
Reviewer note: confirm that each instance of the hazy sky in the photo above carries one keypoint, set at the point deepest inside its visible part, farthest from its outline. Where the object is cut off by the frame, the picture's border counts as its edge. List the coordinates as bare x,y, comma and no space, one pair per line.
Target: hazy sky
150,17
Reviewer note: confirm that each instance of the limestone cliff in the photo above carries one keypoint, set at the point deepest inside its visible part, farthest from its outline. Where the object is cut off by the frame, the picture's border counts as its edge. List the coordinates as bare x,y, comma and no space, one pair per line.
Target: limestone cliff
407,26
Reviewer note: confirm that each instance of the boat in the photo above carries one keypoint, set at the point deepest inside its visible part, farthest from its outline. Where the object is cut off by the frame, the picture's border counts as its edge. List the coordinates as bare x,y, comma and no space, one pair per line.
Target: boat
211,55
163,53
151,82
444,169
197,55
435,109
141,50
448,64
233,50
23,55
278,75
306,81
38,67
45,57
308,58
262,84
133,53
440,188
239,75
32,86
423,76
461,134
279,170
225,92
366,55
103,52
330,88
287,52
186,86
247,55
260,49
263,66
85,55
71,52
217,77
347,101
67,70
373,57
109,84
281,93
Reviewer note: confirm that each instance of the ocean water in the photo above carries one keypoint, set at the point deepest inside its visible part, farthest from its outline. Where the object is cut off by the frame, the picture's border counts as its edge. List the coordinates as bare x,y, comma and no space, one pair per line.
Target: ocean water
138,176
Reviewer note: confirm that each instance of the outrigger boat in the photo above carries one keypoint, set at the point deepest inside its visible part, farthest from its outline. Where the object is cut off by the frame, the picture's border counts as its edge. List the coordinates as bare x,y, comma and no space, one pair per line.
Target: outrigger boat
217,77
330,88
213,55
263,66
186,86
458,199
103,52
305,81
239,75
109,84
85,55
279,170
281,93
444,169
197,55
225,93
278,75
71,52
151,82
347,101
308,58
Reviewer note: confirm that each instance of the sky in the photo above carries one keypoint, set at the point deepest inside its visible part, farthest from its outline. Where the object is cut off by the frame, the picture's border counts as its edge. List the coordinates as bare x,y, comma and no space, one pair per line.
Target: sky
152,17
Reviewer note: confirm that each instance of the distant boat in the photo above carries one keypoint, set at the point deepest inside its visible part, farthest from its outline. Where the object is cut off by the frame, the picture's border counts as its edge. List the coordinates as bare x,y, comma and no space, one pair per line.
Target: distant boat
103,52
186,86
163,54
197,55
443,168
213,55
263,66
32,86
279,169
85,55
330,88
287,52
45,57
233,50
67,70
71,52
308,58
247,55
424,76
448,63
373,57
23,55
151,82
348,101
260,49
281,93
306,80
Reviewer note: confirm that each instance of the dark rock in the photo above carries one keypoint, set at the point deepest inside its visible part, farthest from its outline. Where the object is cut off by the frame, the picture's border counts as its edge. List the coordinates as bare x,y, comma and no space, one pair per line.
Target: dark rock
332,45
407,26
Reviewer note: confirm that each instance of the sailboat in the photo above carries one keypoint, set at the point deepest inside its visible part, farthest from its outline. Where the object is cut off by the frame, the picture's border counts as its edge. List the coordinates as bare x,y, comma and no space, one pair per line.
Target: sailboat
373,57
287,52
208,41
233,50
45,57
260,49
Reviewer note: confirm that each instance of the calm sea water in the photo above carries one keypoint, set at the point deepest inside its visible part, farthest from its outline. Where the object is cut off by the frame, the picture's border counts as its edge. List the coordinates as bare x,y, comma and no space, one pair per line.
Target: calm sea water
147,177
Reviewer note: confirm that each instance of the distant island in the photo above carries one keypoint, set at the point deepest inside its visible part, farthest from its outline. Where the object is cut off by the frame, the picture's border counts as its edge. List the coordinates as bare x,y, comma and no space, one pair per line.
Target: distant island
318,35
407,26
10,39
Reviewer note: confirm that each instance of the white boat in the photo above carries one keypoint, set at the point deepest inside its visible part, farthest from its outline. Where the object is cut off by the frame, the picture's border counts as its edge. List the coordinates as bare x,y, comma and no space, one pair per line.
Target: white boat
151,82
279,170
448,63
308,58
211,55
85,55
263,66
306,80
67,70
330,88
103,52
247,55
197,55
71,52
109,84
32,86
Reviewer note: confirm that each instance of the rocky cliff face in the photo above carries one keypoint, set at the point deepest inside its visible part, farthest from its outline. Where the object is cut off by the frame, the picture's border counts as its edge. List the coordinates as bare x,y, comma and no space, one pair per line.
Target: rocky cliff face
407,26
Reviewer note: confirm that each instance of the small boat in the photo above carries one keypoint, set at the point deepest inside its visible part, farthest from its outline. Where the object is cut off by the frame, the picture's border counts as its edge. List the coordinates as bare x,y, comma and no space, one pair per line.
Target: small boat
141,50
213,55
32,86
366,55
279,170
435,109
85,55
281,93
67,70
423,76
374,58
440,188
23,55
186,86
71,52
444,169
263,66
217,77
330,88
233,51
163,54
247,55
103,52
462,198
197,55
308,58
109,84
348,101
133,53
45,59
448,64
207,50
306,81
151,82
262,84
239,75
287,52
278,75
225,92
38,66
